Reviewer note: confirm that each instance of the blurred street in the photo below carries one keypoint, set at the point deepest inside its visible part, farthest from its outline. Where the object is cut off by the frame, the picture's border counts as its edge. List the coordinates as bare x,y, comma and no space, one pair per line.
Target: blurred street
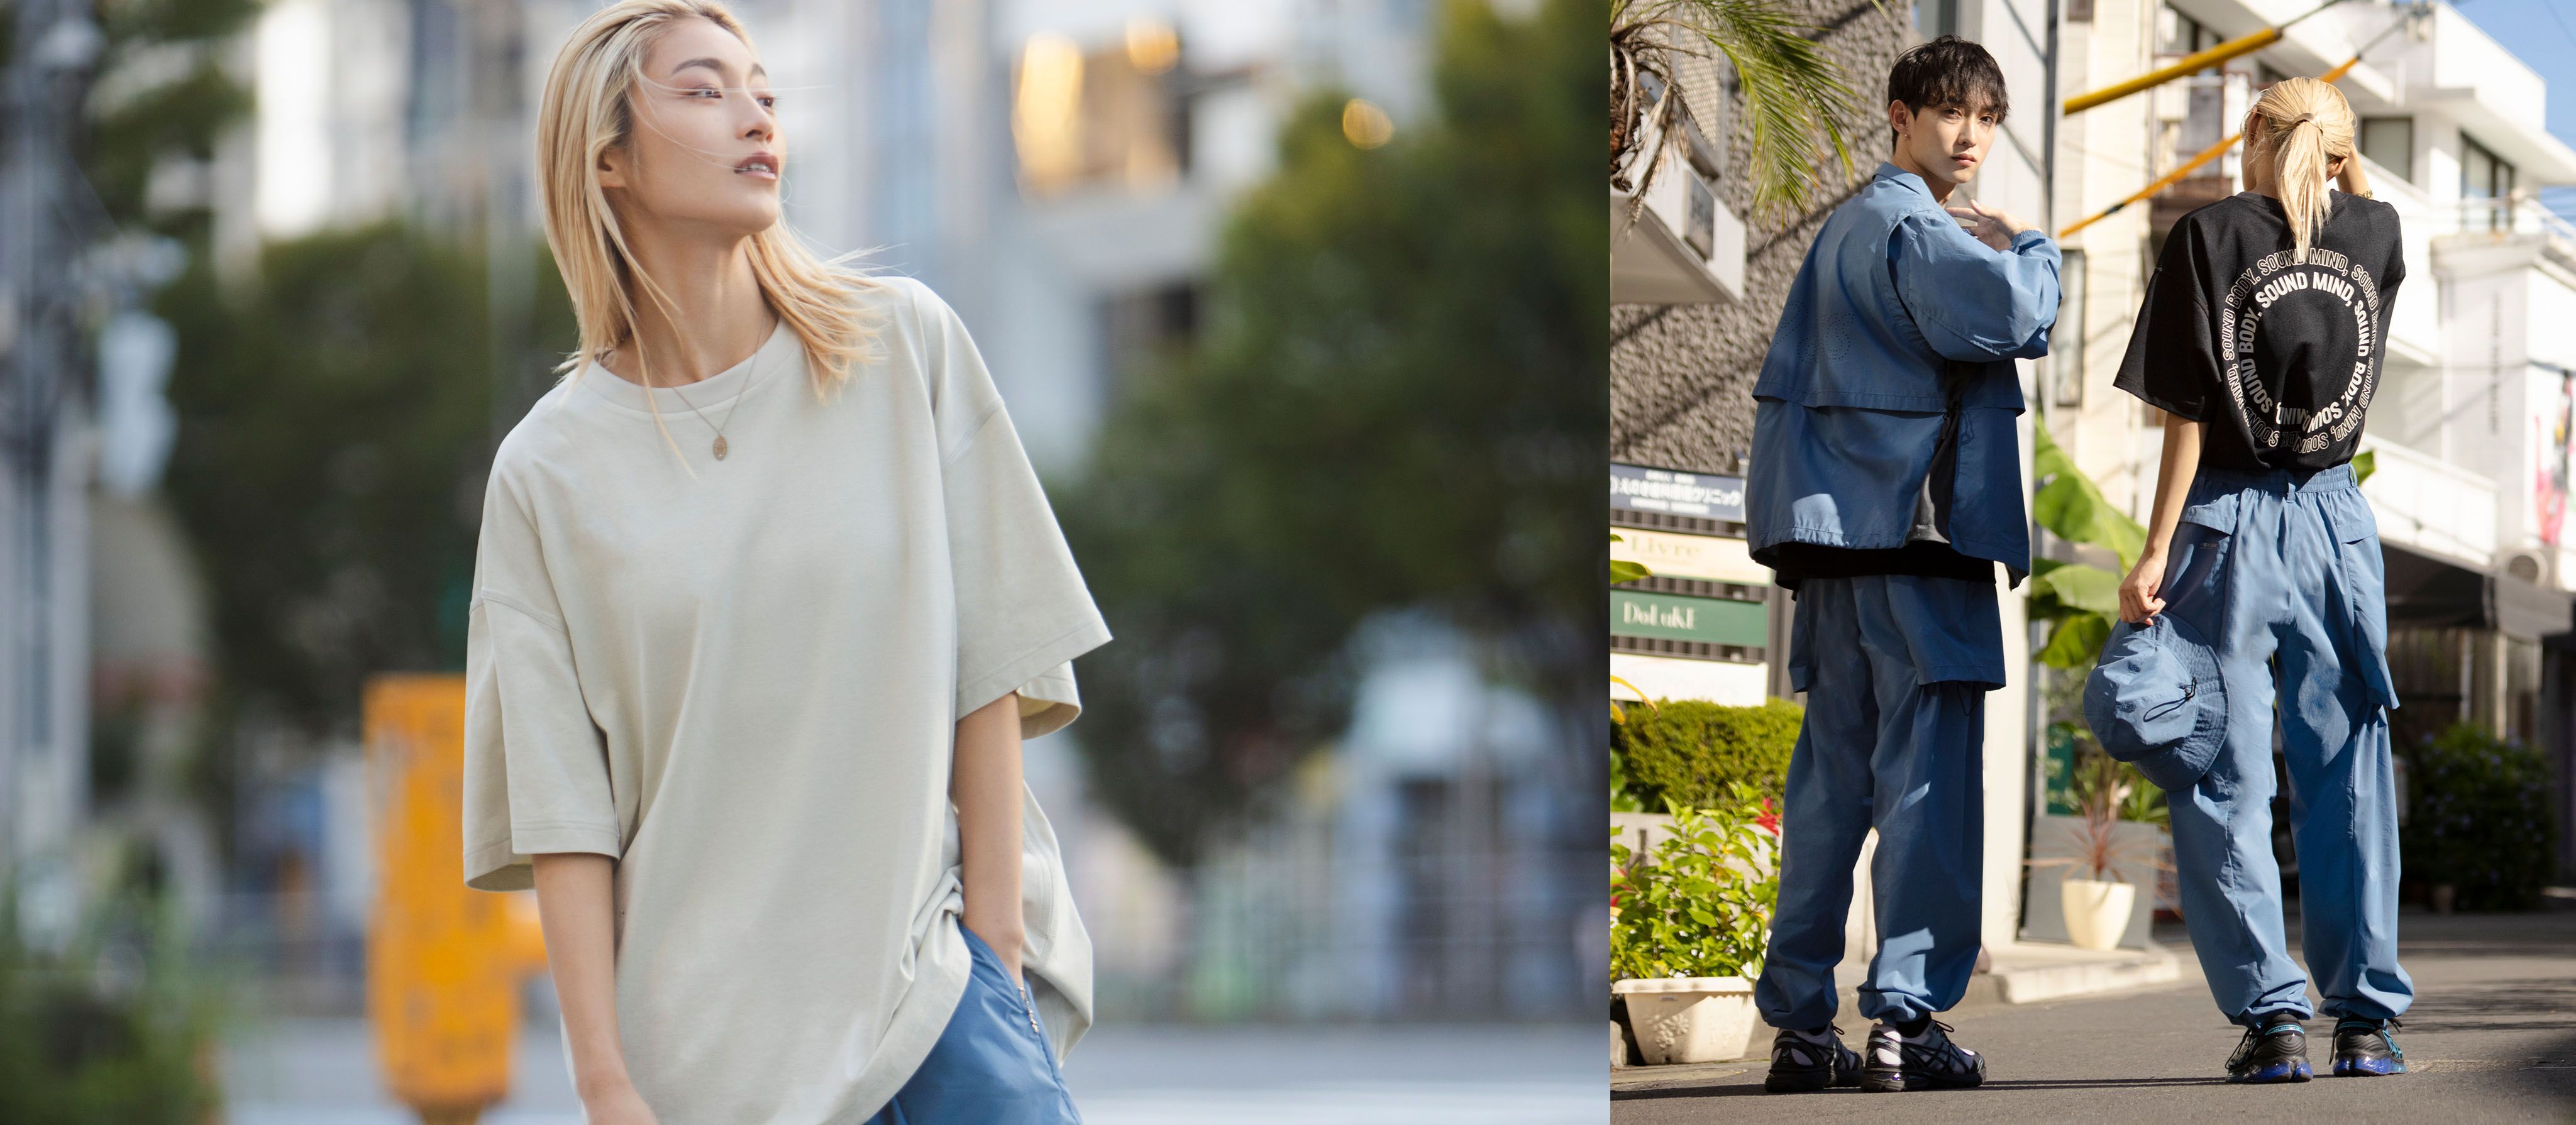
322,1072
2492,1037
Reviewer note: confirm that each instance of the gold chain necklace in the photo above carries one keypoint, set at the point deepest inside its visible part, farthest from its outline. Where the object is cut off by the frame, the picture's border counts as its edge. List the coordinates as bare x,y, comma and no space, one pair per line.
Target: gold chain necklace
747,377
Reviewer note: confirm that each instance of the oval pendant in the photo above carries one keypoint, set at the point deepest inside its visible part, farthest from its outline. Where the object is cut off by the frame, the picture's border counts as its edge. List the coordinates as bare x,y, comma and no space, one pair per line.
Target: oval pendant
720,447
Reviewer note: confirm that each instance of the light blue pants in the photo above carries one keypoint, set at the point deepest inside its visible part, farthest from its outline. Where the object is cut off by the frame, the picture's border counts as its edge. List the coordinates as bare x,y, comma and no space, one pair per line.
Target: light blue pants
1895,669
2285,569
991,1066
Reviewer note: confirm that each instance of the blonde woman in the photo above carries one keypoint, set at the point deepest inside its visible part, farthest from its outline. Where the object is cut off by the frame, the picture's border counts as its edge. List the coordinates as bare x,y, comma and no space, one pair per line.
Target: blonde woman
766,598
2262,584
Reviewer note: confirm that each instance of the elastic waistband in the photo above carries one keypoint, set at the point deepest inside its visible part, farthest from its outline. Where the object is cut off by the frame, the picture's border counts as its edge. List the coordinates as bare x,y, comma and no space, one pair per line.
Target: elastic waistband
2283,482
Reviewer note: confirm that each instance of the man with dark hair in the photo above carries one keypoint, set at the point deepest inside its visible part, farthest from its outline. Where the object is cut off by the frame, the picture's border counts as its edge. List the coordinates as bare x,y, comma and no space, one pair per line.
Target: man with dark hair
1885,485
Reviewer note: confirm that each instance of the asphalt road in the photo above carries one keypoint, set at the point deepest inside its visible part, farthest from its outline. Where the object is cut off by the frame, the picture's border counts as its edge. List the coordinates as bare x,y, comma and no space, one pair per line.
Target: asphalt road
2492,1037
323,1072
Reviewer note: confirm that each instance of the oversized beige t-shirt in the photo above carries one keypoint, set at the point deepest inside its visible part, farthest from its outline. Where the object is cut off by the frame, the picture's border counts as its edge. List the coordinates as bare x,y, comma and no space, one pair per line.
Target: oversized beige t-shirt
745,686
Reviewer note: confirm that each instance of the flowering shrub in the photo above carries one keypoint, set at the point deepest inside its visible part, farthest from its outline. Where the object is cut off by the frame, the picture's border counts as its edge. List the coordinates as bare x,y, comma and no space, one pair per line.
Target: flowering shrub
1701,905
2480,819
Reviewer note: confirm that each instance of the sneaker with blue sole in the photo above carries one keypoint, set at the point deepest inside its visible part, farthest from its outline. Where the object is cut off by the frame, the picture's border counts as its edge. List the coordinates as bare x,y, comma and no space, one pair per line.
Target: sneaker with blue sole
2275,1049
1804,1061
2364,1048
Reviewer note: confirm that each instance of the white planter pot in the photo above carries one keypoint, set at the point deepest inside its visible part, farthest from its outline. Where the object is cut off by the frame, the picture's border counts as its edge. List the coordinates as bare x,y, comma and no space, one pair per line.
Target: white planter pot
2097,911
1690,1019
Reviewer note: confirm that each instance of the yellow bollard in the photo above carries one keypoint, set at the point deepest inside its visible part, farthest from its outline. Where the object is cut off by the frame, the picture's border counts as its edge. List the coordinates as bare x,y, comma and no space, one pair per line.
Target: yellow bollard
443,961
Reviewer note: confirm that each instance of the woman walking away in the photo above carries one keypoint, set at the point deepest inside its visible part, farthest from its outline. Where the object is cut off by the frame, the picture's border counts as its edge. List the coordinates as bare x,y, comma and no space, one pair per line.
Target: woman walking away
766,597
2262,582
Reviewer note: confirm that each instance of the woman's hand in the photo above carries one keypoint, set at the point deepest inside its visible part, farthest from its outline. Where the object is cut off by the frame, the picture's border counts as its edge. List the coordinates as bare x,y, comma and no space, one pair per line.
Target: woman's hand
618,1104
2138,601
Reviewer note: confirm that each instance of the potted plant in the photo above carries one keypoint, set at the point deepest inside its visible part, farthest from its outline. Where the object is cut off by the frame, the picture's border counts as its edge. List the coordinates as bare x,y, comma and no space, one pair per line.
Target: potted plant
2097,901
1688,928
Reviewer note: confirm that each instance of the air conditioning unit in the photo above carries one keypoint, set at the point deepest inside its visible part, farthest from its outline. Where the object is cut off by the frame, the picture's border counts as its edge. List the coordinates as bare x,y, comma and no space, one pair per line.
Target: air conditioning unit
2530,566
1684,247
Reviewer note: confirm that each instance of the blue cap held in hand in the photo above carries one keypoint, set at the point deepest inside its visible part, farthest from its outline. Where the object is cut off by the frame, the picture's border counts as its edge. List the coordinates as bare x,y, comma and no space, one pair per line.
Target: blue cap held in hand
2155,700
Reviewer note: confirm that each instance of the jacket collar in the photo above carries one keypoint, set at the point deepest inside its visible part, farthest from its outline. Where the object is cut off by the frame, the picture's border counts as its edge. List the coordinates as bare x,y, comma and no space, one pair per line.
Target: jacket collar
1887,170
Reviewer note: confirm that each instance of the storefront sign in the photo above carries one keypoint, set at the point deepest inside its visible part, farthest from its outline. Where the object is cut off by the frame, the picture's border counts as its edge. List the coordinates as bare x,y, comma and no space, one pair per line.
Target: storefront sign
1705,495
1675,555
1712,620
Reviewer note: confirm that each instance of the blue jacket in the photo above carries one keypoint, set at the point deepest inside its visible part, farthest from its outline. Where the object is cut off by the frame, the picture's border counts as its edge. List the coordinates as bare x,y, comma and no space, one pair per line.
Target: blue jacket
1849,408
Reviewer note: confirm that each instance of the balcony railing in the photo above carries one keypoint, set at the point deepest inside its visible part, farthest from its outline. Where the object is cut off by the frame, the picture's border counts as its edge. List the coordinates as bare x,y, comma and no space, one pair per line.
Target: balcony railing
2430,505
2502,218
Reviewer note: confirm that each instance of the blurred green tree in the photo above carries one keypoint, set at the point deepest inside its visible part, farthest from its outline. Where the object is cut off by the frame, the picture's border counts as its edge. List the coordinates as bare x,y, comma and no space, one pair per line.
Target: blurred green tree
335,426
163,100
1395,402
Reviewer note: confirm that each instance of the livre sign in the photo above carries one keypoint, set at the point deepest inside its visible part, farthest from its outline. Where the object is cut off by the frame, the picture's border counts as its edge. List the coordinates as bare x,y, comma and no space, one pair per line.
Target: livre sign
1706,495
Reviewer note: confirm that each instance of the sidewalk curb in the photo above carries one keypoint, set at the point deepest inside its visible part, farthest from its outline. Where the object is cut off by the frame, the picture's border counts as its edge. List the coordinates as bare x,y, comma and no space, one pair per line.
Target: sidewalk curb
2032,984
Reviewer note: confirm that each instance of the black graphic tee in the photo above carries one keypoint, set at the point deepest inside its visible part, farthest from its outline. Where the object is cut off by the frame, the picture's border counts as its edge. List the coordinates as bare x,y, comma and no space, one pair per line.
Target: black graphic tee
2279,357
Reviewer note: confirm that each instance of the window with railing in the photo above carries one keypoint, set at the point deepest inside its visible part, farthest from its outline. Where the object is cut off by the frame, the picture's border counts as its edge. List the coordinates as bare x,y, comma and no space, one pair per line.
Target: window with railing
2486,188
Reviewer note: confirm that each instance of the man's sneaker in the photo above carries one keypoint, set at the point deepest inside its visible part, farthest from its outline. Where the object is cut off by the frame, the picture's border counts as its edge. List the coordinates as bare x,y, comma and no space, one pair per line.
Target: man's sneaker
2276,1050
1925,1060
2364,1049
1811,1060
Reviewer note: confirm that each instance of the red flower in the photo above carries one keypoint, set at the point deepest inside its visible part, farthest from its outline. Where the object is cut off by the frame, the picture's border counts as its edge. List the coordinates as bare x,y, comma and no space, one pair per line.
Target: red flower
1769,821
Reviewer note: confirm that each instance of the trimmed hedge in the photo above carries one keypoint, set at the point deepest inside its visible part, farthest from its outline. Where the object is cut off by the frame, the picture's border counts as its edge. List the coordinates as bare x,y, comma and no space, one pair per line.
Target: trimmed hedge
2480,819
1688,752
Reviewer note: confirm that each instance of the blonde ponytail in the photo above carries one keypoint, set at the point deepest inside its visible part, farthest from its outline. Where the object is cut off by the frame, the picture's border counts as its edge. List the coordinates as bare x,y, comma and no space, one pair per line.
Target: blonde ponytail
2300,127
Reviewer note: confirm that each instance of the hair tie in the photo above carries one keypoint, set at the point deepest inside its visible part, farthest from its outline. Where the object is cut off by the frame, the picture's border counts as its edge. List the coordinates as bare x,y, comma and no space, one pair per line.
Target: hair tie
2307,117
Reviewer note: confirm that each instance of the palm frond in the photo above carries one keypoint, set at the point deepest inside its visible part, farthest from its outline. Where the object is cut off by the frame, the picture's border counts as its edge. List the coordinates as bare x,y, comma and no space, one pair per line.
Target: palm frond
1791,90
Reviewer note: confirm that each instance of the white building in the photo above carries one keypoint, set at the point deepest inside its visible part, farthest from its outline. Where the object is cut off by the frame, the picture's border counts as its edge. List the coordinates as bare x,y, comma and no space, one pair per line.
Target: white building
2472,427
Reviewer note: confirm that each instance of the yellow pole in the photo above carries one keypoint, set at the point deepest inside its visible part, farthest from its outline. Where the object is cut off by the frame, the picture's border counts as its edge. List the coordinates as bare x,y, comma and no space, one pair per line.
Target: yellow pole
2191,64
2213,152
443,961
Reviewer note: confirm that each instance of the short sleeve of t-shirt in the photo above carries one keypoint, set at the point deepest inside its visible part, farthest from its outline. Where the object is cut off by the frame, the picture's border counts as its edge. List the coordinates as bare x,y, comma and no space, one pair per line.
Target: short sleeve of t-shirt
1023,612
2172,361
536,767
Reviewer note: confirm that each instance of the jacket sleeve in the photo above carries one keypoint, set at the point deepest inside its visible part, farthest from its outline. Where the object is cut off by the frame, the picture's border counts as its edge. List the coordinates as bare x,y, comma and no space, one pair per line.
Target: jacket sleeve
1972,302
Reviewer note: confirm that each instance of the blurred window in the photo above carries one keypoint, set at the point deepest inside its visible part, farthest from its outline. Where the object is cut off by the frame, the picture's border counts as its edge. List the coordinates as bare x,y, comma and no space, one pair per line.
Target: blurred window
1107,116
2178,34
904,202
2390,143
2484,176
1143,327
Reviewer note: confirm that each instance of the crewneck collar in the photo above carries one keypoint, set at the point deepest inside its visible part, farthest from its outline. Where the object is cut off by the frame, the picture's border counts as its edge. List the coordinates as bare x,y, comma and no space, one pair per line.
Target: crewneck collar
777,358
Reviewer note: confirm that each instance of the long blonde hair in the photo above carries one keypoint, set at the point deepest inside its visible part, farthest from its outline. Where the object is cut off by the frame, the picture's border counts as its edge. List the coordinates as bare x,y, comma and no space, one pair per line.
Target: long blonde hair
2302,125
588,109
